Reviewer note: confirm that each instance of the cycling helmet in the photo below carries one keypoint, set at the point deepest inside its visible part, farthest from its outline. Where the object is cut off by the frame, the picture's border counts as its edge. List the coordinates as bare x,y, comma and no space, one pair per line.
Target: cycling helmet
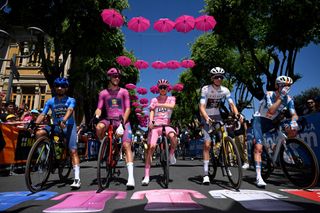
163,82
61,82
217,71
284,80
113,71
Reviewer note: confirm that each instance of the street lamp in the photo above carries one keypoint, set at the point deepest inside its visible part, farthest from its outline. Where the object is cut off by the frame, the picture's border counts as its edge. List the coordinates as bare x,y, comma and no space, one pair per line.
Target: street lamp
14,73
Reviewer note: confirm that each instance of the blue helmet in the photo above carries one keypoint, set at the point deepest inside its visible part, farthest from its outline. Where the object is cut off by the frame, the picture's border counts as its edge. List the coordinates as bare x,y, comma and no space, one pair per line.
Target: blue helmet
61,82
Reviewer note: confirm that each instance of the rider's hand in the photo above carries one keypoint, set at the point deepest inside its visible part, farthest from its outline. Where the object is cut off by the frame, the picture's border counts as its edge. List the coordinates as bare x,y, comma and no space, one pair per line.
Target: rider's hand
284,92
95,120
120,130
294,125
209,121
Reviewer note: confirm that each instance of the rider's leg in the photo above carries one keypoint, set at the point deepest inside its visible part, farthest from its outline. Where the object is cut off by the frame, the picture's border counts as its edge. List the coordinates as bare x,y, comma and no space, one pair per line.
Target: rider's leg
71,135
100,130
173,144
126,144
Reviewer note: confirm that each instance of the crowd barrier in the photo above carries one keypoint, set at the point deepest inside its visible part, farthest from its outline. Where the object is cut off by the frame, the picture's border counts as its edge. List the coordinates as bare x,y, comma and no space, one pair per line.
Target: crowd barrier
310,135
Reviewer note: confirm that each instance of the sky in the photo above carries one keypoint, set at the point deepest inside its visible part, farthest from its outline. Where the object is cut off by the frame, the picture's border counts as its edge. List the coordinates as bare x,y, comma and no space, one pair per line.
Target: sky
152,45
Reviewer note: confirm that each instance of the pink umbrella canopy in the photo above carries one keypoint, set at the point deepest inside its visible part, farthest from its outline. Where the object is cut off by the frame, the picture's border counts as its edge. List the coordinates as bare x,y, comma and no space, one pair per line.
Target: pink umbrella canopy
184,23
138,110
158,65
164,25
178,87
141,64
142,91
144,101
154,89
139,24
112,18
173,64
130,86
135,104
123,61
205,23
188,63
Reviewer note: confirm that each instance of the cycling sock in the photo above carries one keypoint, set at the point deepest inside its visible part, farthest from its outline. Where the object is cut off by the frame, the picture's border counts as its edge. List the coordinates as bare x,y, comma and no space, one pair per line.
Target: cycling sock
130,170
147,170
76,169
206,167
171,151
258,168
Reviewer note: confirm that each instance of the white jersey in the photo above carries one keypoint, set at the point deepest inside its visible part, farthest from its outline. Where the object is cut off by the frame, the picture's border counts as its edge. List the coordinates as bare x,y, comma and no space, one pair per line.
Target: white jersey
212,98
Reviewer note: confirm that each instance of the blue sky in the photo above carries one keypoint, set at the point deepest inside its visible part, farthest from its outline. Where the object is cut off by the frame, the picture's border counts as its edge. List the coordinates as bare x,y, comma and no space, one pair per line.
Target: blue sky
152,45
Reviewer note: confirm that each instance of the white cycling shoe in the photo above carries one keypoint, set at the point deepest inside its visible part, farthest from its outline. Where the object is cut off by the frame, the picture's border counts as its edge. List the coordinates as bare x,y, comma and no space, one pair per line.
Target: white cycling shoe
130,184
173,159
145,181
76,184
245,166
260,182
206,180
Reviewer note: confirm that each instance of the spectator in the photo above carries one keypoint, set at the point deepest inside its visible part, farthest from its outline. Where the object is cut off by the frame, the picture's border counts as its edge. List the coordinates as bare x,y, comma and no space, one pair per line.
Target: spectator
241,141
311,106
9,109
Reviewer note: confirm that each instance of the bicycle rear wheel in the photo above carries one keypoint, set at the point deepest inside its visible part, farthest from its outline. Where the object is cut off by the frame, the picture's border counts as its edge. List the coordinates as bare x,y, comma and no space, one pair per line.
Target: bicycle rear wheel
164,159
299,163
232,162
65,163
38,164
104,170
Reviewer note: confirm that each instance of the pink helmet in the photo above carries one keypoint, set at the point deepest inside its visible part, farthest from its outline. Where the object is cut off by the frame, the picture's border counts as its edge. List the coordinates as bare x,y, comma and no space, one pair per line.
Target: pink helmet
163,82
113,71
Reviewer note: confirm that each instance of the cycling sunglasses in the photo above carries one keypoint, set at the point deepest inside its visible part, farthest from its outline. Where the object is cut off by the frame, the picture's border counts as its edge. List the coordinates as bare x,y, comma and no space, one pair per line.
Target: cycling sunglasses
115,76
217,77
60,85
163,87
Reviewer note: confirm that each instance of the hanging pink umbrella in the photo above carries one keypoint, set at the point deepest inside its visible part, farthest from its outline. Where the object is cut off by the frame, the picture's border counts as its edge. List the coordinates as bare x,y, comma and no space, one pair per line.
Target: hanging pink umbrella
138,24
188,63
144,101
164,25
205,23
138,110
141,64
178,87
158,65
123,61
154,89
133,97
142,91
112,18
184,23
135,104
130,86
144,105
173,64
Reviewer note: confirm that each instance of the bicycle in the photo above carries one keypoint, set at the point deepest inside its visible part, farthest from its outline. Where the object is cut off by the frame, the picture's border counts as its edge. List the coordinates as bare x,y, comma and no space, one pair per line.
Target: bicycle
47,154
296,158
224,154
109,154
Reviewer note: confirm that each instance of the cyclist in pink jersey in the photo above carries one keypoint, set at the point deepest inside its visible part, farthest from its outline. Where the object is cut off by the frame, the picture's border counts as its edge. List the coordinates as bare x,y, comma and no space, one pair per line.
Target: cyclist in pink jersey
160,113
116,102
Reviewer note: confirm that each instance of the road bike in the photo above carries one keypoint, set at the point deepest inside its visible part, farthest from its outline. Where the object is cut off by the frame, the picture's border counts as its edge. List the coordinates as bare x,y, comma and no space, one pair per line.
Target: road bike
109,154
224,153
296,159
47,154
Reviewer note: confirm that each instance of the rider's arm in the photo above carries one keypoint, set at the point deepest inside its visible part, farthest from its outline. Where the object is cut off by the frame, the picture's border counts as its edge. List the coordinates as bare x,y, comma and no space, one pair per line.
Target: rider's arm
98,113
203,102
100,104
126,115
40,118
203,112
45,111
272,107
67,115
234,108
151,117
126,101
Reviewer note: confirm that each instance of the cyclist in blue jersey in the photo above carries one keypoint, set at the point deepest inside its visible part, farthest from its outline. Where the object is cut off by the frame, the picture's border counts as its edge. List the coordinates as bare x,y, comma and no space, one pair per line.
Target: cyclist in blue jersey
270,107
62,109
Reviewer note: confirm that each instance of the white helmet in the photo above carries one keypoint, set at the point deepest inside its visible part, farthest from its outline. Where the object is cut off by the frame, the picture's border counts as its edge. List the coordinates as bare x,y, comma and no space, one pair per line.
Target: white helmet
284,80
217,71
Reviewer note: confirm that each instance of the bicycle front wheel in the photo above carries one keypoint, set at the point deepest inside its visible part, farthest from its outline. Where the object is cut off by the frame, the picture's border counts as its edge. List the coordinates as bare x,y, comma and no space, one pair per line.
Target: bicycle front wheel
65,163
299,163
104,170
38,165
165,161
232,162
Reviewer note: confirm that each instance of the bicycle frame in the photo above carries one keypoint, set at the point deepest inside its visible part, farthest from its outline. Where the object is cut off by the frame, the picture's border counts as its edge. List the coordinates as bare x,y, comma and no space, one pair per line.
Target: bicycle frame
280,140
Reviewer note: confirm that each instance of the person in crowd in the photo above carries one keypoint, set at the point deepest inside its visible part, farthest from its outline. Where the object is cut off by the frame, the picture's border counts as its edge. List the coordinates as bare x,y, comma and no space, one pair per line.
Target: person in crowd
161,109
311,106
241,141
270,107
212,97
9,109
115,100
62,108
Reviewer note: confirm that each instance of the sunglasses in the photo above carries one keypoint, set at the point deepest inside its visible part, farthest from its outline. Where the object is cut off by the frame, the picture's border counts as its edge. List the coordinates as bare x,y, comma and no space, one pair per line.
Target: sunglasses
218,77
311,102
115,76
163,87
60,85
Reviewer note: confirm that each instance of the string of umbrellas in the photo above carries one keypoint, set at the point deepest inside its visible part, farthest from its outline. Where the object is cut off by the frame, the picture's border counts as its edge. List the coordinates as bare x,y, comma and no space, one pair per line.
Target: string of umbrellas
184,23
140,103
142,64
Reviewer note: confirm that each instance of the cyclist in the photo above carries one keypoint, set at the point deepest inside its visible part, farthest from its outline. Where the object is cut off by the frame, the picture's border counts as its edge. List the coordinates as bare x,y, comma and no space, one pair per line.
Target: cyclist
62,108
211,100
270,107
160,113
116,102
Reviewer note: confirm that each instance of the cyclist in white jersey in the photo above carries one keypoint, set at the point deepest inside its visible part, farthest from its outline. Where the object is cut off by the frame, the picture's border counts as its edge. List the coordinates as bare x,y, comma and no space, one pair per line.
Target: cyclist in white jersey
270,107
212,97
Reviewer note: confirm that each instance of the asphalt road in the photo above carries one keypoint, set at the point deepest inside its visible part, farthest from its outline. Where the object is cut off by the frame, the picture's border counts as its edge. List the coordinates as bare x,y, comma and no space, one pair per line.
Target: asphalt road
185,175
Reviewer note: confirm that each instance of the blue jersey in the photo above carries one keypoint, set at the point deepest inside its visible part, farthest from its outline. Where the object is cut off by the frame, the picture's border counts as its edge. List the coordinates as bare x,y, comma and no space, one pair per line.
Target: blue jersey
59,108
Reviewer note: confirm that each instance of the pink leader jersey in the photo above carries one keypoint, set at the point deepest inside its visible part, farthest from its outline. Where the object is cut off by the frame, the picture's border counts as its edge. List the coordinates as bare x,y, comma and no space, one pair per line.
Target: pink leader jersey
115,102
162,115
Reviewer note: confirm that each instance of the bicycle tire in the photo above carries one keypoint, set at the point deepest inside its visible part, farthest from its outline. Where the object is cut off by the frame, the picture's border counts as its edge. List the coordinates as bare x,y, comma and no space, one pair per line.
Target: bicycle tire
266,162
104,169
214,161
165,161
232,162
299,163
38,164
65,164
